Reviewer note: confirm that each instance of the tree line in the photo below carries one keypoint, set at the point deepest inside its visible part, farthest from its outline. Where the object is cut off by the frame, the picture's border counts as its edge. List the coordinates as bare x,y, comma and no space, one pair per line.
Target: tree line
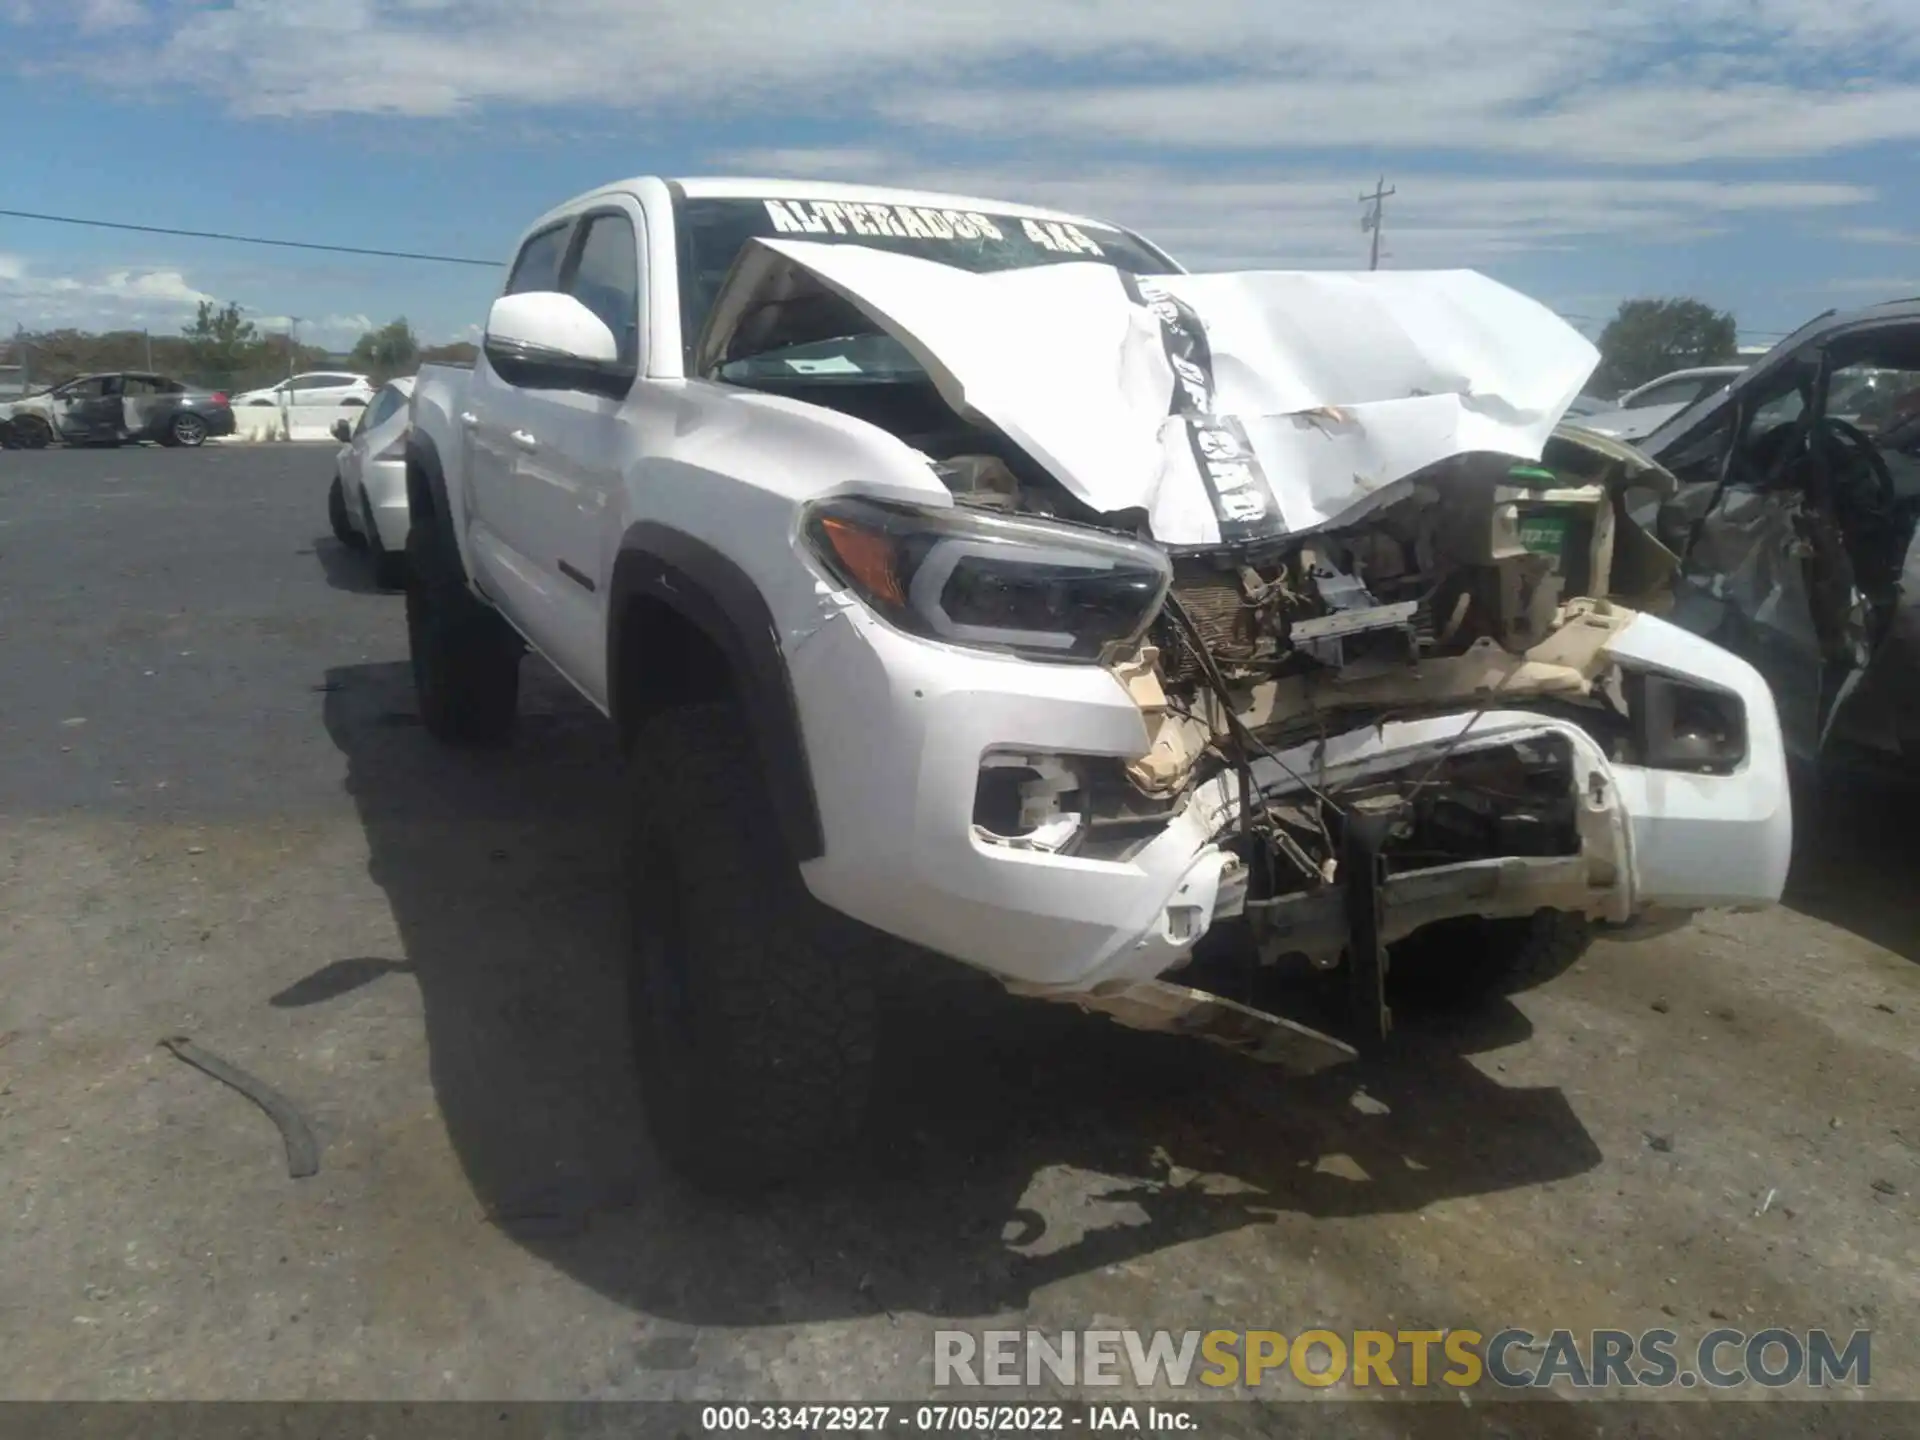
221,350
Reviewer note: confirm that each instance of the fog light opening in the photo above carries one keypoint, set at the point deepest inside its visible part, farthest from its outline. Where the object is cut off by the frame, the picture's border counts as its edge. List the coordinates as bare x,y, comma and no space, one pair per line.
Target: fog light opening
1022,801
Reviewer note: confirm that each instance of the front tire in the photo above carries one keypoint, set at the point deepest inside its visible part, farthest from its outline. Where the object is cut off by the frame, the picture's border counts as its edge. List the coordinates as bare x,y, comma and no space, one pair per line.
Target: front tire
30,432
1459,962
466,659
754,1008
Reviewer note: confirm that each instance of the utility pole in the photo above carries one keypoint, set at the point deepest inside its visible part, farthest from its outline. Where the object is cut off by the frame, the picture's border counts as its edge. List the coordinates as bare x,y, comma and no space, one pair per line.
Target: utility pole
1370,222
147,337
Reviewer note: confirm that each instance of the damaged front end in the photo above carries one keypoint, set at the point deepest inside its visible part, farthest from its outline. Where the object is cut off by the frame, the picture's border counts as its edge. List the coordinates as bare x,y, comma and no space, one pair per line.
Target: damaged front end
1412,720
1364,596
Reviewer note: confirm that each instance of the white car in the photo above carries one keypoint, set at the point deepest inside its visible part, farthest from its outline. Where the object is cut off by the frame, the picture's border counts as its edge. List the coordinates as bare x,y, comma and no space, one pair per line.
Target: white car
1641,411
966,580
367,502
318,387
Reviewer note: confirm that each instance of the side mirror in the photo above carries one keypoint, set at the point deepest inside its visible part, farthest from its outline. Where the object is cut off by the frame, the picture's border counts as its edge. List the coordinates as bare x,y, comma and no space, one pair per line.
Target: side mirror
342,431
543,340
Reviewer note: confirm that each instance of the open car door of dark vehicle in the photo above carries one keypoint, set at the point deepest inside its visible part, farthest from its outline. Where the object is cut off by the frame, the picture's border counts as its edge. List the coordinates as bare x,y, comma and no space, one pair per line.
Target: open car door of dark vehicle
1795,519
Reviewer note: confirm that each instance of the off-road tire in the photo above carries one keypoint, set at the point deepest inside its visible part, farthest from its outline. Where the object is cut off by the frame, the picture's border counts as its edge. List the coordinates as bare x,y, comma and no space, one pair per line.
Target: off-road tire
1459,962
1523,954
389,569
754,1008
188,430
343,530
466,659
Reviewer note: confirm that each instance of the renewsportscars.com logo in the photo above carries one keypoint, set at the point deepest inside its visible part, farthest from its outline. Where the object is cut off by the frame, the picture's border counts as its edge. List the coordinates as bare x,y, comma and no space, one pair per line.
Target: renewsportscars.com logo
1511,1358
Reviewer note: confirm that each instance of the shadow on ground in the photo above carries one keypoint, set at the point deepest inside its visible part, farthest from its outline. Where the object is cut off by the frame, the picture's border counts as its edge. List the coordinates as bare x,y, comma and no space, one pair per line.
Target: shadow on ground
345,569
1856,859
501,870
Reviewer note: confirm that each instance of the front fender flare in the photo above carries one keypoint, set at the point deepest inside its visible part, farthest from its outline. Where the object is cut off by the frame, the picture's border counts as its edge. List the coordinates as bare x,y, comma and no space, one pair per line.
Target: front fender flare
719,599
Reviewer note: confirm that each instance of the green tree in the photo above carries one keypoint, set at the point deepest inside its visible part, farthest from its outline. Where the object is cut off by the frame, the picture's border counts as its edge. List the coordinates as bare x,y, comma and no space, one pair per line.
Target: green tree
454,352
391,350
221,342
1647,338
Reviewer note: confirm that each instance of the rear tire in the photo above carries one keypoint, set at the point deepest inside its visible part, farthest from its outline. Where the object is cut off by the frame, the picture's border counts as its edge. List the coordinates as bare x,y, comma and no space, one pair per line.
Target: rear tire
188,430
343,530
466,659
754,1008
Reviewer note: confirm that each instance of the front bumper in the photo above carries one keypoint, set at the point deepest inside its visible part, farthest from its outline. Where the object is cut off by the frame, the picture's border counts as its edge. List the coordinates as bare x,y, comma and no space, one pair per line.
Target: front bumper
896,730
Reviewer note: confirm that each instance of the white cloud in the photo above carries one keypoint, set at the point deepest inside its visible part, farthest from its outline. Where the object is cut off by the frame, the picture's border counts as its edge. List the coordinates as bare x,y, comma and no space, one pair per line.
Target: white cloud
1639,81
116,298
1877,235
95,16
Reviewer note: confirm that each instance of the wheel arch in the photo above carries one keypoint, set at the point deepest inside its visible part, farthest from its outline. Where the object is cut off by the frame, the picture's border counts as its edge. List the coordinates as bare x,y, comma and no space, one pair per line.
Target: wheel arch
685,623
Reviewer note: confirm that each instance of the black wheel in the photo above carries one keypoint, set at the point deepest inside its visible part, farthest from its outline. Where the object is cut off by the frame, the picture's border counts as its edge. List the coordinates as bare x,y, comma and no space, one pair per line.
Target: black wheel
30,432
343,530
754,1008
389,567
189,430
1459,961
466,659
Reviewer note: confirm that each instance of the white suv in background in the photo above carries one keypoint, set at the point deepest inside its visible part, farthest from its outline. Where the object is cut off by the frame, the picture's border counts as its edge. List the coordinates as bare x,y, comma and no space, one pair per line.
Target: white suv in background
316,387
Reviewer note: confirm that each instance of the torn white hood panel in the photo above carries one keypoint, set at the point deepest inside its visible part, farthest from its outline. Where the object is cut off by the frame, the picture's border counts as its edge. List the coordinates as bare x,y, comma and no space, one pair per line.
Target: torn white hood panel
1194,397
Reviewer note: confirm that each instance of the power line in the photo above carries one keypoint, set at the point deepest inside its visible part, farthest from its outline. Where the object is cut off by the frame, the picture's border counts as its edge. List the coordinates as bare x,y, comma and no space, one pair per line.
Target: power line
249,239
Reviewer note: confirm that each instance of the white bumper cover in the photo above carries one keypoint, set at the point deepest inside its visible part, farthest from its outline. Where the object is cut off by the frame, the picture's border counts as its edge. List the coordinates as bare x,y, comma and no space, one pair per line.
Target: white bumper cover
896,730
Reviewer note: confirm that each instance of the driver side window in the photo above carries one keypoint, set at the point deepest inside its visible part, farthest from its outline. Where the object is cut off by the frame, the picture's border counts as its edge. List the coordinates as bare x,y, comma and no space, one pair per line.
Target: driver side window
538,267
606,279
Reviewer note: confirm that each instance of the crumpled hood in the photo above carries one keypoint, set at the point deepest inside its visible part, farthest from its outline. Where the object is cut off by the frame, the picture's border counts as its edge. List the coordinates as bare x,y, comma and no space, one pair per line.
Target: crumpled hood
1226,407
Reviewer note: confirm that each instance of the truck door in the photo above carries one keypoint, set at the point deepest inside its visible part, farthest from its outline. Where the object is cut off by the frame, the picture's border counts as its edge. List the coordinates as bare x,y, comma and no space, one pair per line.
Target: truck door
570,449
502,553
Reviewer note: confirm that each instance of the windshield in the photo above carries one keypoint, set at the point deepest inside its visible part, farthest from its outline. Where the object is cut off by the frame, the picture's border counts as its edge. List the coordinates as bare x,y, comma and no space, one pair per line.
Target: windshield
714,230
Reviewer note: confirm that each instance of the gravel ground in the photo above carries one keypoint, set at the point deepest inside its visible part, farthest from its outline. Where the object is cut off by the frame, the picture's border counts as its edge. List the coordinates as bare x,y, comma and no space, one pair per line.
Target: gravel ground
219,818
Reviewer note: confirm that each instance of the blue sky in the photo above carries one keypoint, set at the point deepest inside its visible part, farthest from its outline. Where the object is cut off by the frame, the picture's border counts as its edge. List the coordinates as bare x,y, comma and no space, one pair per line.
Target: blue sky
1756,153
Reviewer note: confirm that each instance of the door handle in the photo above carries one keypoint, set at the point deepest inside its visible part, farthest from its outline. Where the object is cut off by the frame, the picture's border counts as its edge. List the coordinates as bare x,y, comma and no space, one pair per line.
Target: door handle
469,419
524,439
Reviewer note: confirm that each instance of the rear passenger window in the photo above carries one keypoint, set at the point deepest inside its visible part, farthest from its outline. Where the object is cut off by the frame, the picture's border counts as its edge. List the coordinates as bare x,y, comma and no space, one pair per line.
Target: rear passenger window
538,267
606,279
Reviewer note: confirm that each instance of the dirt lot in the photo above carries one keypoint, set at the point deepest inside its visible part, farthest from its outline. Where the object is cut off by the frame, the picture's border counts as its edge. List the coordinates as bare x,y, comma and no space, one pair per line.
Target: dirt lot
218,817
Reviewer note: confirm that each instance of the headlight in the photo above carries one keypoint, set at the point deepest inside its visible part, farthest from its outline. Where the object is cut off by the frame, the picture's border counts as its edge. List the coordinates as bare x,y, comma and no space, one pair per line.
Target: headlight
1036,588
1679,725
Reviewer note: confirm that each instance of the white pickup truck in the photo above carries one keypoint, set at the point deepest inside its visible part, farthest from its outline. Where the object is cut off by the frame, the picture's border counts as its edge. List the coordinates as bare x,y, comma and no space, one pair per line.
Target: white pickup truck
968,580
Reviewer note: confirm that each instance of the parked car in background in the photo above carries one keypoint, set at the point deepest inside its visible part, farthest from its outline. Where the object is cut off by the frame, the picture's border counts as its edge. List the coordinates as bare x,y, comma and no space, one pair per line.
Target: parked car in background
367,503
1641,411
1795,514
111,409
315,387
